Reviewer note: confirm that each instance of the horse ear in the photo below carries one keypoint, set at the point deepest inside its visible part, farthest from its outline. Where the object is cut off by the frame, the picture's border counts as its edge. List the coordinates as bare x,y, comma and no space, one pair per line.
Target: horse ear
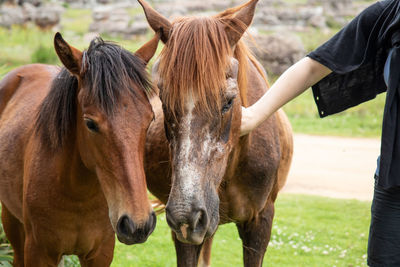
147,51
237,20
157,22
69,55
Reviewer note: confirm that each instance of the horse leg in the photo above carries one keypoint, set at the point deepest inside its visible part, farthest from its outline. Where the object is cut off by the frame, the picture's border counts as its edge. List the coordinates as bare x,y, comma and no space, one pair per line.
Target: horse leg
104,255
15,233
255,236
36,255
187,255
205,253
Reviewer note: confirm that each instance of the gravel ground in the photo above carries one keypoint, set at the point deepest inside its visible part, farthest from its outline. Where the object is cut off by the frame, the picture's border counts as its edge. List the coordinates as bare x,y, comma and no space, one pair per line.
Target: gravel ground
333,166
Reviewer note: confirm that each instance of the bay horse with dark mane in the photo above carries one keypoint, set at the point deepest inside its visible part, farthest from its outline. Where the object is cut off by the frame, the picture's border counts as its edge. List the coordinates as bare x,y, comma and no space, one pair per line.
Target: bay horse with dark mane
71,154
196,162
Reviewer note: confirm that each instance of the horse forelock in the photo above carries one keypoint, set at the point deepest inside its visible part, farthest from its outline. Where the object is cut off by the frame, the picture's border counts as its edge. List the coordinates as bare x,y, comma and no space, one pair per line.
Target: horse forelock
194,62
107,72
195,59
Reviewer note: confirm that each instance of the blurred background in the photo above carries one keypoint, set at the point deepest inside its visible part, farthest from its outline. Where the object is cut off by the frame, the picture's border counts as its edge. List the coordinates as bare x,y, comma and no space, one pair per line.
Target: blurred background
308,230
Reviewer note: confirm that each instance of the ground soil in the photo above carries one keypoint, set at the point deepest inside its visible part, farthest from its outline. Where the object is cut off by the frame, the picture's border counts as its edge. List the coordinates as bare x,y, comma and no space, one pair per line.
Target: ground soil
333,166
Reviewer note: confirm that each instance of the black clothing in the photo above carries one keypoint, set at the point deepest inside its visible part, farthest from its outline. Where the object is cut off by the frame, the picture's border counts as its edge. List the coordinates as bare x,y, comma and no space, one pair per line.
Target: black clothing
384,234
357,55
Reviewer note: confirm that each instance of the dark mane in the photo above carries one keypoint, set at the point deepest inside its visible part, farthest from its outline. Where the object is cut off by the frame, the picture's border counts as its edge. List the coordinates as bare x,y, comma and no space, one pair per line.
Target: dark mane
108,71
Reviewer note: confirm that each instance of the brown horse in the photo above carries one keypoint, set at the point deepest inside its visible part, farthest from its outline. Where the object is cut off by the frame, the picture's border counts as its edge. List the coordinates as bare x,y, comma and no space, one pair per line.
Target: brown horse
211,175
71,154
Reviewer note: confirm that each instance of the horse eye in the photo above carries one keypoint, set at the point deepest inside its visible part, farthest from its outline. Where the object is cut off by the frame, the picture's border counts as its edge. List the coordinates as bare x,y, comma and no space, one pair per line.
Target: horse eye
91,125
227,106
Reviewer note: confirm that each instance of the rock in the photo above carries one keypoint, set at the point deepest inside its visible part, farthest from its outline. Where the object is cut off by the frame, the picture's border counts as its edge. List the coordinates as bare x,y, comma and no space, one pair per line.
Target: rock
30,11
43,16
12,15
334,8
317,21
137,28
293,18
171,11
315,17
109,20
35,3
48,16
116,21
278,51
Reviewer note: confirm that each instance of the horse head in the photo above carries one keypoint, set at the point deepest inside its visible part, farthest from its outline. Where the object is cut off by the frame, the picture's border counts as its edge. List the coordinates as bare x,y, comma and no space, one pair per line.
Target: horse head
201,89
111,119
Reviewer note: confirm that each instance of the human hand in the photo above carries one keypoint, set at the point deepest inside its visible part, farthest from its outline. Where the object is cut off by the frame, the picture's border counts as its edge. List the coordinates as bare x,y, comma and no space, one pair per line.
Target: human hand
248,121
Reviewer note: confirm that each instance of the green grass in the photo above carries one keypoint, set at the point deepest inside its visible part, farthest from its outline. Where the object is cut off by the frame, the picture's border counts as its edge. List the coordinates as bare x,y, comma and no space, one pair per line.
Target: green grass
307,231
313,38
76,21
6,253
19,43
365,120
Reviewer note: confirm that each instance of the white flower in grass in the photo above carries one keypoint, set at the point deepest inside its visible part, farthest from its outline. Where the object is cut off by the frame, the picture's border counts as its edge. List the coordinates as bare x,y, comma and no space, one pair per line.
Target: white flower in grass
343,253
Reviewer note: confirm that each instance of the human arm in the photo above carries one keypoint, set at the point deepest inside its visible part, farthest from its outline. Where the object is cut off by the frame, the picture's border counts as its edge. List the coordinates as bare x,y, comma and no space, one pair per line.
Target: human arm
290,84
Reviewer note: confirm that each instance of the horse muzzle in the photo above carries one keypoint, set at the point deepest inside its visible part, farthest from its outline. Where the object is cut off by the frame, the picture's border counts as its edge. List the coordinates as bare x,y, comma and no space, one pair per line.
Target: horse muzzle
190,226
129,233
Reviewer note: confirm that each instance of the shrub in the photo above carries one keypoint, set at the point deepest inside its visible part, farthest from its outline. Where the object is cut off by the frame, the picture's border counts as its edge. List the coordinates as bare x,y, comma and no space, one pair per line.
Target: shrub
43,54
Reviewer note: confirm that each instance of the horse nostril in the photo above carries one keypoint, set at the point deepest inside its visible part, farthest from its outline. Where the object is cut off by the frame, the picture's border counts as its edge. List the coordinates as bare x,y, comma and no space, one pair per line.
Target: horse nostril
151,223
125,226
170,220
199,219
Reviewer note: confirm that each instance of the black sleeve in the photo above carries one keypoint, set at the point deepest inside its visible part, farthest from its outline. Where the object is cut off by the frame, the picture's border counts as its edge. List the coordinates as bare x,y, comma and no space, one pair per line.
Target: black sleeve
356,56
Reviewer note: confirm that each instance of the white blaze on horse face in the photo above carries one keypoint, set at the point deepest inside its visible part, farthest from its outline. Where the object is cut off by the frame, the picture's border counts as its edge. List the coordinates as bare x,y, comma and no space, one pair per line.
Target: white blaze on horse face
186,169
195,147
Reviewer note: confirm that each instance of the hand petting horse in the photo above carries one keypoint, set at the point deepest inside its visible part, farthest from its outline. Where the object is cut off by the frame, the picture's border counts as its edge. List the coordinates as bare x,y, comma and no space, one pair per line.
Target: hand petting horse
211,175
71,154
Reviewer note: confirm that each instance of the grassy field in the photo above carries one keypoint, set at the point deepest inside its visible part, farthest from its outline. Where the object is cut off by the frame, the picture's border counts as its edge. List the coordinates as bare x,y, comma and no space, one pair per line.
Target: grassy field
307,231
364,120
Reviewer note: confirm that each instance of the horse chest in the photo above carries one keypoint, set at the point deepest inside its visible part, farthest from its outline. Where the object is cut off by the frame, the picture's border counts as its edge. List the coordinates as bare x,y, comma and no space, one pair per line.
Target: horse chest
66,224
240,203
70,237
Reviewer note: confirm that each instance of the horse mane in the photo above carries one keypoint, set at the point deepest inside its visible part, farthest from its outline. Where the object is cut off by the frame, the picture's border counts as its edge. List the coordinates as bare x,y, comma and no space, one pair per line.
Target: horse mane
195,59
108,71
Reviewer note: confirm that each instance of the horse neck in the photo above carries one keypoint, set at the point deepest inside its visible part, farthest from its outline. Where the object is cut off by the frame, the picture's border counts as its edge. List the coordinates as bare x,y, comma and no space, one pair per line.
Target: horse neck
256,86
252,78
74,176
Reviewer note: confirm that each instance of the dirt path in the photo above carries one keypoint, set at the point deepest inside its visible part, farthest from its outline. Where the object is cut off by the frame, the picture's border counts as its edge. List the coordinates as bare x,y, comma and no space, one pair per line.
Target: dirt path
333,166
